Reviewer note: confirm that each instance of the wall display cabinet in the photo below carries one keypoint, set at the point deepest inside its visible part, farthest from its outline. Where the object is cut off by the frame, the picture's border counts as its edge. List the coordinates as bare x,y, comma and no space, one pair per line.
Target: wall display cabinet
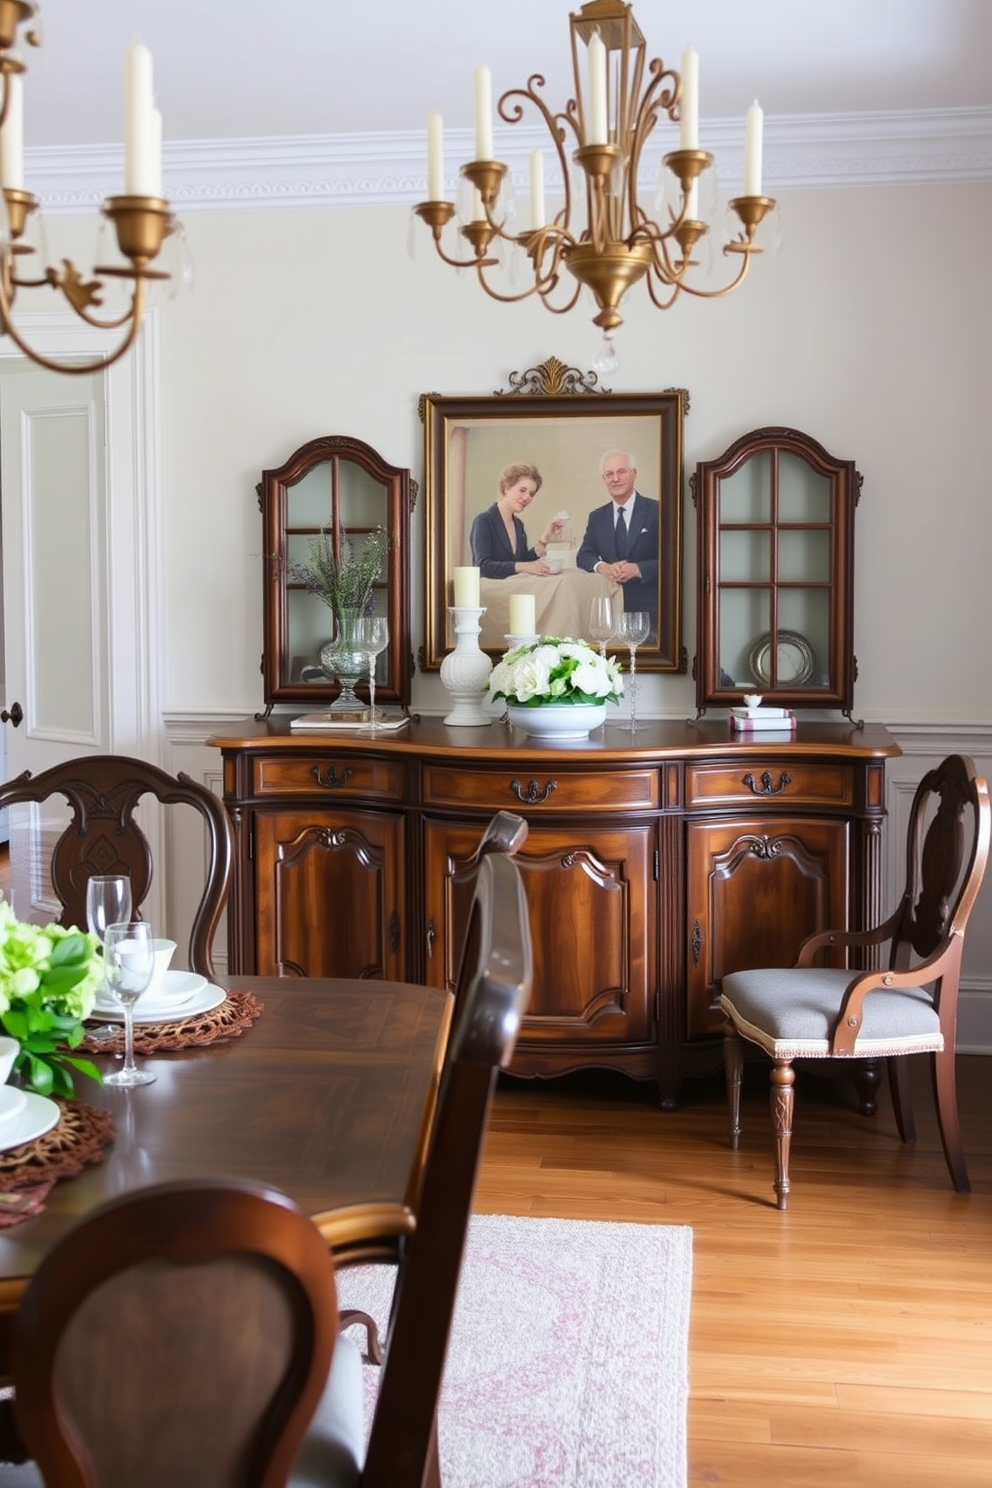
775,592
651,869
343,487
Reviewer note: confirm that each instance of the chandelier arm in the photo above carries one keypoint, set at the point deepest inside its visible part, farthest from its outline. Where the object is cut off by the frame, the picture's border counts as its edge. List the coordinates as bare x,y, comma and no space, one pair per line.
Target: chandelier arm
458,263
74,368
554,123
716,294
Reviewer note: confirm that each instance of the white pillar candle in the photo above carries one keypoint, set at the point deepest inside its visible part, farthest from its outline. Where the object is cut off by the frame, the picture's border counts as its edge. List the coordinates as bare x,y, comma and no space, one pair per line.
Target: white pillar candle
689,123
435,157
523,616
478,207
140,169
466,582
483,113
754,129
537,213
12,136
596,122
155,178
692,203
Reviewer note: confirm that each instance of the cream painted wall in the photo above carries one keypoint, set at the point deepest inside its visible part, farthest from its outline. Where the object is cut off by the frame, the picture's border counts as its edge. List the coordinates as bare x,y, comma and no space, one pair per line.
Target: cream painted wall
309,322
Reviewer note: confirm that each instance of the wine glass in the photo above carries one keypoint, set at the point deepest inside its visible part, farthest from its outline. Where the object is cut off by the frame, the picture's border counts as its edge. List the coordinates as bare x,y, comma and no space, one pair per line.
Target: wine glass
602,621
108,902
373,637
634,627
129,953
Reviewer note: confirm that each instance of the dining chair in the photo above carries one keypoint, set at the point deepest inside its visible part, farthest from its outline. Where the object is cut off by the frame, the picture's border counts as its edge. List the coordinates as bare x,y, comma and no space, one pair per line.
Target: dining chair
494,988
183,1334
908,1007
103,836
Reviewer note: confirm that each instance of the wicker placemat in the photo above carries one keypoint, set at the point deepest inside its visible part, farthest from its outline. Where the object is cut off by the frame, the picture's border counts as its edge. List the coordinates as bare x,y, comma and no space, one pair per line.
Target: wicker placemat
237,1012
28,1172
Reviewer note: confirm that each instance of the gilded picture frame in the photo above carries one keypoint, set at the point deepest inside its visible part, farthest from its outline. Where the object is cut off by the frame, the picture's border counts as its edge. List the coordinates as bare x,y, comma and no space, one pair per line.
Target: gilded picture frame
565,433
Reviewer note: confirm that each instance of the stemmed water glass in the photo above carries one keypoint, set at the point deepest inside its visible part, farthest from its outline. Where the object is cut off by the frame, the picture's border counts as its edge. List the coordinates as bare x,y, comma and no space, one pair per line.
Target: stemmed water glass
129,952
108,902
602,621
634,627
372,638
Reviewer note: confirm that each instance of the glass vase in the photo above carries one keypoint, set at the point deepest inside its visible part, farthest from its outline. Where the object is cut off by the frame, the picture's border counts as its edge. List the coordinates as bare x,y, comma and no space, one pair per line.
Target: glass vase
343,662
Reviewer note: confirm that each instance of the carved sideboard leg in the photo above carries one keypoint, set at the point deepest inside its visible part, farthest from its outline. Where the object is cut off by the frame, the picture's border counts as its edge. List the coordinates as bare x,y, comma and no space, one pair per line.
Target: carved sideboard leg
783,1080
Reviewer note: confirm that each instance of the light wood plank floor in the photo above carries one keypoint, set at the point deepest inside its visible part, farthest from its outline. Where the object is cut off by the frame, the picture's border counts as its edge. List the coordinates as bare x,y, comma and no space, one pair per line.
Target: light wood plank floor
847,1341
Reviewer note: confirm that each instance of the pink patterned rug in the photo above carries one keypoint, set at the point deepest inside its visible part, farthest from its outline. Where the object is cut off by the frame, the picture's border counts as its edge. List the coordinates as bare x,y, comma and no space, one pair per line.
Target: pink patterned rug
568,1361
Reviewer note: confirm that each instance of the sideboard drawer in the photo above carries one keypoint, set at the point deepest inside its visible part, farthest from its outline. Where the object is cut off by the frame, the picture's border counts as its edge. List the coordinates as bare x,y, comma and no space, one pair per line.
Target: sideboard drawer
799,783
338,775
559,790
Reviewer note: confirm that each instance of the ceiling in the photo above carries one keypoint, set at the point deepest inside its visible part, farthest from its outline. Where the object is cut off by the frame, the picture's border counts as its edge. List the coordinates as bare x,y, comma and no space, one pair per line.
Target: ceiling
230,69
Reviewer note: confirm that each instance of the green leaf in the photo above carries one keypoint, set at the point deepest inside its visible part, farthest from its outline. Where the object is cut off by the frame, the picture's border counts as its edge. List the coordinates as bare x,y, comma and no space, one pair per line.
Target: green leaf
84,1066
37,1074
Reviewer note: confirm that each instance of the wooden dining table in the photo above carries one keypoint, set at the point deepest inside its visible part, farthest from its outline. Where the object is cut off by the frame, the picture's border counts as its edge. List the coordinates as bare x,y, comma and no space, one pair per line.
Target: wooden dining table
328,1096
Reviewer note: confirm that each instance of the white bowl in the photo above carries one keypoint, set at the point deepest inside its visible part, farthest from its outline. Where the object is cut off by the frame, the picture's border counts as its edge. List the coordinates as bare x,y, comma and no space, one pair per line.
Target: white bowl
8,1053
164,952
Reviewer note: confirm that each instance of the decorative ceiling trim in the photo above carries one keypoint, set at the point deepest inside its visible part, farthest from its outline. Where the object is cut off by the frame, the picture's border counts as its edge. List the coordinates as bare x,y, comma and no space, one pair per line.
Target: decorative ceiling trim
802,151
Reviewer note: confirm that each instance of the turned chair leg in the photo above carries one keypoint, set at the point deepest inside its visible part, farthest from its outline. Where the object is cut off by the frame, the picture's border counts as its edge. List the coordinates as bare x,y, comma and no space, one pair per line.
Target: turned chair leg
902,1101
783,1079
733,1063
945,1096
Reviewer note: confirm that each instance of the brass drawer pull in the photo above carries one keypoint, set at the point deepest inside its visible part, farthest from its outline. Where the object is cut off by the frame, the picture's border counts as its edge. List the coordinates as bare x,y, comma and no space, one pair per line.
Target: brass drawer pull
767,789
533,796
331,778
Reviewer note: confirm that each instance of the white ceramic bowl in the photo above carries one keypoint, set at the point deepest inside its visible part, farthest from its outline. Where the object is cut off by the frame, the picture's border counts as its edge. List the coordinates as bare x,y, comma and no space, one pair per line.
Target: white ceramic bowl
164,952
8,1053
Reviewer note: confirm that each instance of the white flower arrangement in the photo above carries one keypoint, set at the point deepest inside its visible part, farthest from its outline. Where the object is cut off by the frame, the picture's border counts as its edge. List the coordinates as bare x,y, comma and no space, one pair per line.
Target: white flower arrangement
556,671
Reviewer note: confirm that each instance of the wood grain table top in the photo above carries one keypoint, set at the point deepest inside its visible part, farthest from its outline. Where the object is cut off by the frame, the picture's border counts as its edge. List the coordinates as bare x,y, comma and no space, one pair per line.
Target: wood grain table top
326,1097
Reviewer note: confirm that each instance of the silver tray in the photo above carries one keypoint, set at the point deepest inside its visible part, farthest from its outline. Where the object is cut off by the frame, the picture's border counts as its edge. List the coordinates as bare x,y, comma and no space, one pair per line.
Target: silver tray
796,659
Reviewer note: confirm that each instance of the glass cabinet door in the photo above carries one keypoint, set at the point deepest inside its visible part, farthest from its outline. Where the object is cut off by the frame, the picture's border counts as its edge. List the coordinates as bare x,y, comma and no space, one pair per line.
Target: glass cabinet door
775,584
340,487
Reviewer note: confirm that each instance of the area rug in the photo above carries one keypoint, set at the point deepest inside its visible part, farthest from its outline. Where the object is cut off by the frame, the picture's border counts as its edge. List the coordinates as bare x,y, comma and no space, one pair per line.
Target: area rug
568,1360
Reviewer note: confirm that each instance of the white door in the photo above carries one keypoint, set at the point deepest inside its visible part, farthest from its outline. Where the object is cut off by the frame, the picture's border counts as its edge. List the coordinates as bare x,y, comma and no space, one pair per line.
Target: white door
78,489
52,486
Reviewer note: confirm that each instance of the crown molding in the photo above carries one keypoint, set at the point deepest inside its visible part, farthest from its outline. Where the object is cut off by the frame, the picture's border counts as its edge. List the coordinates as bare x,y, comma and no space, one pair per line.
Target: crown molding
802,151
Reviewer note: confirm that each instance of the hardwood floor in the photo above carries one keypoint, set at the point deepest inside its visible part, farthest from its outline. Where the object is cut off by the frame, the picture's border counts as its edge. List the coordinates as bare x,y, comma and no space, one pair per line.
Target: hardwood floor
847,1341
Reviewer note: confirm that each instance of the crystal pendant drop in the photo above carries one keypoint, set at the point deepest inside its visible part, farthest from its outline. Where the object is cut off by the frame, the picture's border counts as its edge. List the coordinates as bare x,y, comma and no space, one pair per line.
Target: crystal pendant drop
606,359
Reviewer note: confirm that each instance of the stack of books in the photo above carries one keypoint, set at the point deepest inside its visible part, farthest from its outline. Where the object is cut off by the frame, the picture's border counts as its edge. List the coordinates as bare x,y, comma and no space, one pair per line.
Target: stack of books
762,721
345,721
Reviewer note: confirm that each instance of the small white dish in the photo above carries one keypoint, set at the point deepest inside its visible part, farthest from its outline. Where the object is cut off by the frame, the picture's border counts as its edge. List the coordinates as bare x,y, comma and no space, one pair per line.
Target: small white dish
12,1103
178,988
204,1001
8,1053
38,1116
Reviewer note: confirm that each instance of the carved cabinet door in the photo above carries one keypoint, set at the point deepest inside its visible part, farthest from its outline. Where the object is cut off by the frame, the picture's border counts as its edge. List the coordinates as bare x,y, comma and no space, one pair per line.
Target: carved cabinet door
592,926
755,889
329,894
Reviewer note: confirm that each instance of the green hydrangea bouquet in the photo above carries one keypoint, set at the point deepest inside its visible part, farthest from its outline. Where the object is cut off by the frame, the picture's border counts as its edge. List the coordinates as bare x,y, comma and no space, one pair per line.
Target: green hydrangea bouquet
49,978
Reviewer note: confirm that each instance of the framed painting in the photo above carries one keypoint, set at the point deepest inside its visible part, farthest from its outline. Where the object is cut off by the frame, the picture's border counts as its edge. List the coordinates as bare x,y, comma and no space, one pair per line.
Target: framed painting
527,486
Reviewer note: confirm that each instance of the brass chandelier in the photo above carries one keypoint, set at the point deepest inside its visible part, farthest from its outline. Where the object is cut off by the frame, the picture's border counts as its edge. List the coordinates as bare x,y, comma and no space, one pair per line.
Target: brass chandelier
614,242
141,216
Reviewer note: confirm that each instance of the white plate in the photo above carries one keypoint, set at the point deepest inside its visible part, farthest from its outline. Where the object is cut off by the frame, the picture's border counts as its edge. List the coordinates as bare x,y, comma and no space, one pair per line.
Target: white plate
12,1103
39,1116
203,1001
178,988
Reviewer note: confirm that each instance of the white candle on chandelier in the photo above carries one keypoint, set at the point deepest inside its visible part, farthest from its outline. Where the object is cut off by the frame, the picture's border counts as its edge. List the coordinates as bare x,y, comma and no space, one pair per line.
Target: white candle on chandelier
483,114
692,203
12,137
754,128
155,179
466,585
435,156
537,214
141,169
596,122
689,119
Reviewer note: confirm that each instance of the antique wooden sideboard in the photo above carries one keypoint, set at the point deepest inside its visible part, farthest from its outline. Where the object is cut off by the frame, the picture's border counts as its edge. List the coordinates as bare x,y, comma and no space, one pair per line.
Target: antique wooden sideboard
655,863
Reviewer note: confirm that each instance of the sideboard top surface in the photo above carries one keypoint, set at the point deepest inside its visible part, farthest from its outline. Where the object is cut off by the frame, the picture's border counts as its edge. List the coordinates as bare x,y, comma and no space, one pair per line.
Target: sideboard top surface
613,744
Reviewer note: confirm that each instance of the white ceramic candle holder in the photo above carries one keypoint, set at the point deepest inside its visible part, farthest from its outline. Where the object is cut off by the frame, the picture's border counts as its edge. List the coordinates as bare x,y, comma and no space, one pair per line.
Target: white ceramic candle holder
465,671
513,641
